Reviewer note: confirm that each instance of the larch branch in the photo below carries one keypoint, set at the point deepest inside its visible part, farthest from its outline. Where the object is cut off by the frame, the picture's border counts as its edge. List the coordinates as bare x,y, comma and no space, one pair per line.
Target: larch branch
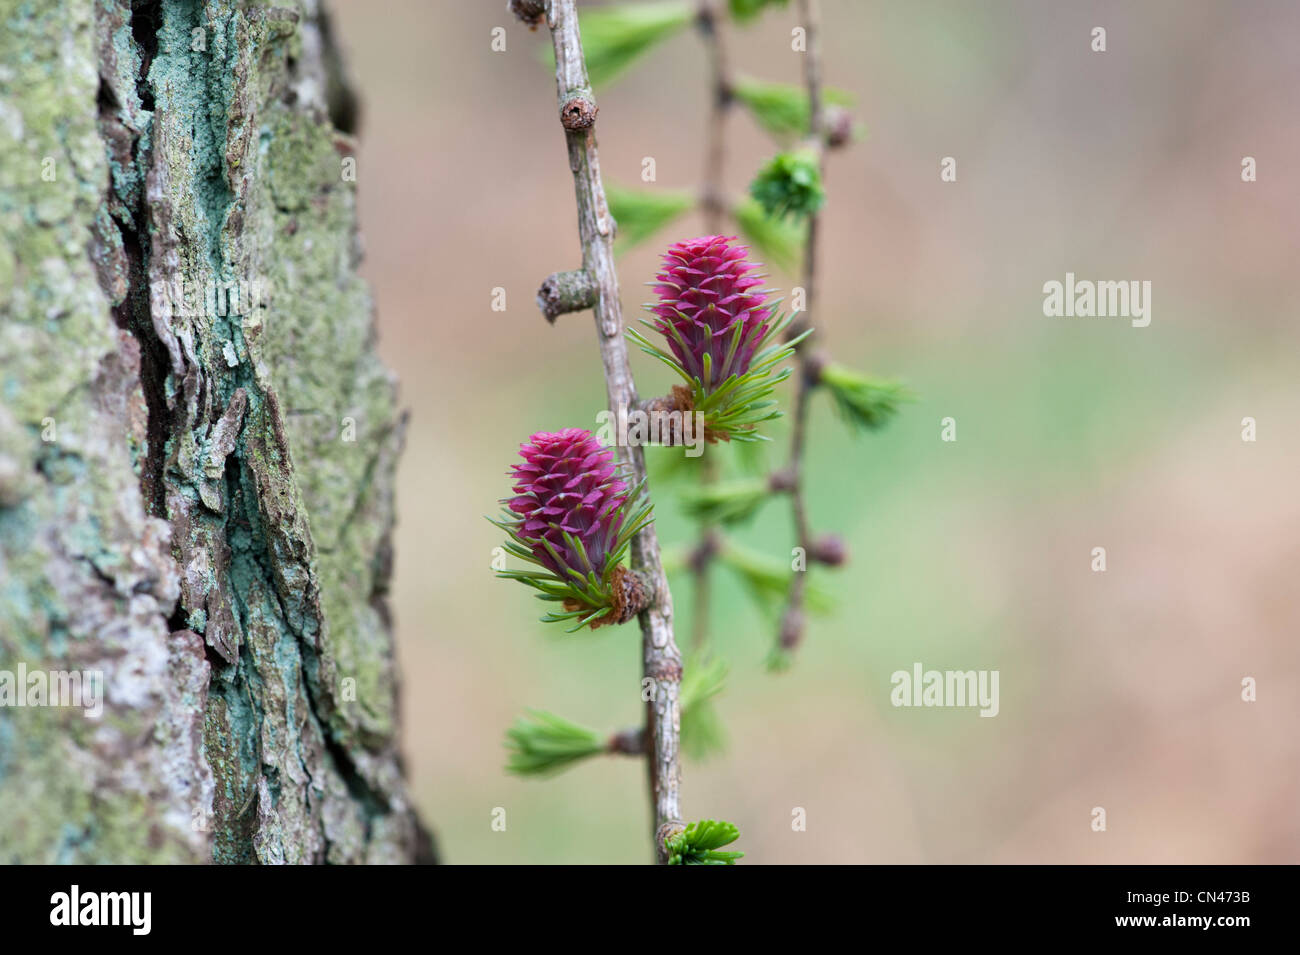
792,621
661,660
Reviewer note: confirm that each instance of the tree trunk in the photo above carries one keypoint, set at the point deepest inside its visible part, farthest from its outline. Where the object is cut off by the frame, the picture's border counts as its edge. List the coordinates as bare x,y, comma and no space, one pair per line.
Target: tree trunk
197,444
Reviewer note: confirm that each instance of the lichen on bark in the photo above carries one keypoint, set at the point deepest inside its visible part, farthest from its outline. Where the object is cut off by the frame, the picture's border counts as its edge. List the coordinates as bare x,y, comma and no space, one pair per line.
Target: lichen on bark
210,525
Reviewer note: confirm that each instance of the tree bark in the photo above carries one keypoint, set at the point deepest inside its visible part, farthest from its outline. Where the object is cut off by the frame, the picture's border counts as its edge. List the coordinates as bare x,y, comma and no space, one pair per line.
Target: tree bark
196,488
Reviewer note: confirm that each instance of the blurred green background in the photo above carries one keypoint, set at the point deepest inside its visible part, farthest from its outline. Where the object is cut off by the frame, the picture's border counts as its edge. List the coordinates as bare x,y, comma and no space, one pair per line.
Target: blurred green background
1119,690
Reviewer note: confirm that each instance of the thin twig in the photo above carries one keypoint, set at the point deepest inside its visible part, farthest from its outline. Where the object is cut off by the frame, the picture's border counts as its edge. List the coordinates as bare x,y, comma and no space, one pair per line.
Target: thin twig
792,622
661,660
712,204
713,208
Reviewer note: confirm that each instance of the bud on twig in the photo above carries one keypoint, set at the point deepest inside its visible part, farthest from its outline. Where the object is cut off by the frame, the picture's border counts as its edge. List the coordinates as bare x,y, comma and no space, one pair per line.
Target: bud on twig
578,112
630,742
784,481
829,549
631,594
565,292
528,11
839,127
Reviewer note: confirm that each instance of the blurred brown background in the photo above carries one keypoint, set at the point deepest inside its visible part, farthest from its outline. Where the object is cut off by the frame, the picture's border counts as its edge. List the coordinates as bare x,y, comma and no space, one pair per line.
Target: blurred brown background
1119,690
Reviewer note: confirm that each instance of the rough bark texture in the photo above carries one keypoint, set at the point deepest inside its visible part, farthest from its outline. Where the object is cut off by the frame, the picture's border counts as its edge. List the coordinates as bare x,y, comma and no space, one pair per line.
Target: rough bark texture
195,496
565,292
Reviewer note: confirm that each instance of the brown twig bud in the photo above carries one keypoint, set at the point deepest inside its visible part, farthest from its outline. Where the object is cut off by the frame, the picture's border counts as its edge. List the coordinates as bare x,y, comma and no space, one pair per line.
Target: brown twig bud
578,112
784,481
564,292
829,549
528,11
630,742
839,127
631,594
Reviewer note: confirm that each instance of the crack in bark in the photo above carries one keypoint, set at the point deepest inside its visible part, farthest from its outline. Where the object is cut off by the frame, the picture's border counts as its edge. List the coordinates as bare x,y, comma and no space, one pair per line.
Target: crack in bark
213,431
